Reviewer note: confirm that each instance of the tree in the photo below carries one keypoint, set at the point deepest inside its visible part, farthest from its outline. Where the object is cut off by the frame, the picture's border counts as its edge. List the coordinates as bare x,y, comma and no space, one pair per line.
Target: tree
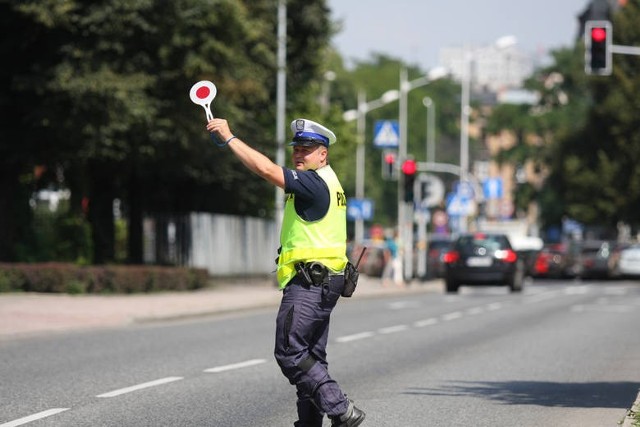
107,82
589,140
23,138
596,166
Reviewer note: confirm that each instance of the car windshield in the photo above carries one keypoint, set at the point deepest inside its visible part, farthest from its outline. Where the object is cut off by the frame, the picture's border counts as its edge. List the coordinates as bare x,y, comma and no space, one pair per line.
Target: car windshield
590,251
439,244
469,245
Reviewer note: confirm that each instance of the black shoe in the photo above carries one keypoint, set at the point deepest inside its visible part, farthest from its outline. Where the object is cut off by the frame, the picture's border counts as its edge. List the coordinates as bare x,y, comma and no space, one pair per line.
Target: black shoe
352,418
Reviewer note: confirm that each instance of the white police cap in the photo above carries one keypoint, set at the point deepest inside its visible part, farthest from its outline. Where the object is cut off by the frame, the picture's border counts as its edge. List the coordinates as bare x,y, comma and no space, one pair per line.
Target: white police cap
307,133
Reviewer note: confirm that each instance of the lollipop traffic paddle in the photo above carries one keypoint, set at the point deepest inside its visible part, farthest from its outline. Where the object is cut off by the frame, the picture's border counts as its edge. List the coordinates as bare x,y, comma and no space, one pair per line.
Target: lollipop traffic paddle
202,93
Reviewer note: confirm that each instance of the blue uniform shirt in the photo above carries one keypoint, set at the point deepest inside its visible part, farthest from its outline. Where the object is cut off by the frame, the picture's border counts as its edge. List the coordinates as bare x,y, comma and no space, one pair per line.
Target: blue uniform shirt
311,193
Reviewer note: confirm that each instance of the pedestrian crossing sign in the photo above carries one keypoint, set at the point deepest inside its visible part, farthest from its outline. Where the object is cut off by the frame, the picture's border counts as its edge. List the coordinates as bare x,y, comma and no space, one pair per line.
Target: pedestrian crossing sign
386,134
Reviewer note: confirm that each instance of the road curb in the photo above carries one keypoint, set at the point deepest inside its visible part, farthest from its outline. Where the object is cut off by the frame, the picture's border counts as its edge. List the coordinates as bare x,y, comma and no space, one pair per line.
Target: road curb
33,314
629,419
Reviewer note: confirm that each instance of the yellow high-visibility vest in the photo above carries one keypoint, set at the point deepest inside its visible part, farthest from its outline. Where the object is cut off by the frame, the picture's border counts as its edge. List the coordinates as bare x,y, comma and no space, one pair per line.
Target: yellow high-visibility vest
323,240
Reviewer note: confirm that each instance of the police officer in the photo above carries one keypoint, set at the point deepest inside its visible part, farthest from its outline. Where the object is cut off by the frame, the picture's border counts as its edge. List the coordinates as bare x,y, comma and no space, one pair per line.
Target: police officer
311,261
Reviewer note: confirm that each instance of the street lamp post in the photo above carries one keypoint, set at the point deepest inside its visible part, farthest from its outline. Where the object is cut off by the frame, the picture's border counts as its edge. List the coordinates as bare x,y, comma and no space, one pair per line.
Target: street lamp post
465,109
423,217
430,148
325,100
405,210
281,102
359,115
464,114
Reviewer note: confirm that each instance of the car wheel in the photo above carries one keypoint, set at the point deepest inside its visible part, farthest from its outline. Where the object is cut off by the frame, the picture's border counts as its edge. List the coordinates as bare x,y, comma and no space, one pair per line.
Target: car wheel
517,280
452,286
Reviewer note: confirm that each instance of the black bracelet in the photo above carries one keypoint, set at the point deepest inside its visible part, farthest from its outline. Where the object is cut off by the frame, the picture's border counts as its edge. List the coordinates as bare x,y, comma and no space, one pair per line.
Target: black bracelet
224,143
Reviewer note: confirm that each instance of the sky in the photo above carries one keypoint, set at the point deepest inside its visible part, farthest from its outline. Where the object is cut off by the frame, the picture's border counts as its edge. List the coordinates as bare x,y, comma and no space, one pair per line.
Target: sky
415,30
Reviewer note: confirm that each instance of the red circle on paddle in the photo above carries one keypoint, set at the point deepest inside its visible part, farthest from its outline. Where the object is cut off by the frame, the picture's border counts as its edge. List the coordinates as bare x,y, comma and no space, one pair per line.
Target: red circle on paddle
203,92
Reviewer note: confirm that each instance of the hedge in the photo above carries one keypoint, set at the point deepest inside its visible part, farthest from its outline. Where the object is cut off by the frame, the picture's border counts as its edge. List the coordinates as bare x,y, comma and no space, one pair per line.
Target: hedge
71,278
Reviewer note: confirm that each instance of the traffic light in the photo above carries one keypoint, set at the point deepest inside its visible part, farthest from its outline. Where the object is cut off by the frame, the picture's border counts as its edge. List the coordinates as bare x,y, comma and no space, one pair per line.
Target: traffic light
389,170
597,43
409,168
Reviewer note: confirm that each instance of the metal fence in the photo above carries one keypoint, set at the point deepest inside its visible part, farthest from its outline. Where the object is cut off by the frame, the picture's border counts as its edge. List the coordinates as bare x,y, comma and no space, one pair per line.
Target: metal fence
223,244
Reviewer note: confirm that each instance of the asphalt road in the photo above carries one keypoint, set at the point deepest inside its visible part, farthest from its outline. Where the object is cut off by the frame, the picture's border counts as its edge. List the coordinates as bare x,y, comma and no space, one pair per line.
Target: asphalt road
559,354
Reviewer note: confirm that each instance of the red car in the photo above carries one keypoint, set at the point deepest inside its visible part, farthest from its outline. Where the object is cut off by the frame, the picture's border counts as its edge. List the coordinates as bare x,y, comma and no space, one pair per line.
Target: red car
554,261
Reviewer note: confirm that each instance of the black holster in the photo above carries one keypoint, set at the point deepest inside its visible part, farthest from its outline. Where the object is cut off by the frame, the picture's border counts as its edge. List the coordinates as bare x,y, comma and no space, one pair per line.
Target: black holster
313,273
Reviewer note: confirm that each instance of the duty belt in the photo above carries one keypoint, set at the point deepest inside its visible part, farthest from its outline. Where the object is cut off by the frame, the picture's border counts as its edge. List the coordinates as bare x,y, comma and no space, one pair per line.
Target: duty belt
314,273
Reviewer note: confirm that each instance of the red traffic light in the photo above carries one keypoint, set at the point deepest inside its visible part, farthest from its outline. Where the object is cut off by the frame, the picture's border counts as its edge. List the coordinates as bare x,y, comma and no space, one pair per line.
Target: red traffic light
598,47
389,158
409,167
598,34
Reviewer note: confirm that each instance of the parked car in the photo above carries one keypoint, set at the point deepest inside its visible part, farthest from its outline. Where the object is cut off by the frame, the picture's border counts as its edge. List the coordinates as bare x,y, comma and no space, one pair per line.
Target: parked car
555,261
437,247
595,259
483,259
614,259
436,250
373,260
629,261
527,248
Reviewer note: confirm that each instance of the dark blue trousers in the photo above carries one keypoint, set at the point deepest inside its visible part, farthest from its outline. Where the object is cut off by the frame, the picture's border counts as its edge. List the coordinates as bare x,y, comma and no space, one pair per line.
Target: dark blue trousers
302,330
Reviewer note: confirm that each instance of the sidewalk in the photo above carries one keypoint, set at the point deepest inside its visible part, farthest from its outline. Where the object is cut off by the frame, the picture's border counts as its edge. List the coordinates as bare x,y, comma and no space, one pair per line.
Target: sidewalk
29,314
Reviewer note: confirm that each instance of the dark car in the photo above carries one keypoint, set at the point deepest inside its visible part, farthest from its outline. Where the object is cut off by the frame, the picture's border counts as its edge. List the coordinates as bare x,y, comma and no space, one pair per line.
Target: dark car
595,259
437,247
483,259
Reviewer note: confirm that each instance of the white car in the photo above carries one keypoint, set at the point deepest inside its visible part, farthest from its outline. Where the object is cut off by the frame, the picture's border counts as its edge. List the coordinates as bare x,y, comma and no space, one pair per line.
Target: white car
629,261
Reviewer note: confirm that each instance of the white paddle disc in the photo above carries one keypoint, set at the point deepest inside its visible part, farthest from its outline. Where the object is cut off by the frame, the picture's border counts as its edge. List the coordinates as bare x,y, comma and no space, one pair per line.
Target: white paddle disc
202,93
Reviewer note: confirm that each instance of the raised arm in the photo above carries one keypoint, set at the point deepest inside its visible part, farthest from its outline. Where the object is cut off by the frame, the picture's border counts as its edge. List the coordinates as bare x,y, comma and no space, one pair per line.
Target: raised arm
255,161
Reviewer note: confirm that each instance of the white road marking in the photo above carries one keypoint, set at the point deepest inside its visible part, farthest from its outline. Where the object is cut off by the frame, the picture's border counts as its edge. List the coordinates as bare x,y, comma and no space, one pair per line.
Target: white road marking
239,365
354,337
616,291
392,329
541,297
140,386
577,290
34,417
452,316
475,310
400,305
494,306
536,296
602,308
425,322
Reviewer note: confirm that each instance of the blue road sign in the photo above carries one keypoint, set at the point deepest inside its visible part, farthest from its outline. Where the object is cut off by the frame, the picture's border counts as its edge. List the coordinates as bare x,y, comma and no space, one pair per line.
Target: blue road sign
492,188
458,205
386,134
359,209
464,190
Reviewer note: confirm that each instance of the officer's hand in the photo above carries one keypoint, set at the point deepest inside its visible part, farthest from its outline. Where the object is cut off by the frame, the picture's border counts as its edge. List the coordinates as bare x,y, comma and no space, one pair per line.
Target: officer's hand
220,127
